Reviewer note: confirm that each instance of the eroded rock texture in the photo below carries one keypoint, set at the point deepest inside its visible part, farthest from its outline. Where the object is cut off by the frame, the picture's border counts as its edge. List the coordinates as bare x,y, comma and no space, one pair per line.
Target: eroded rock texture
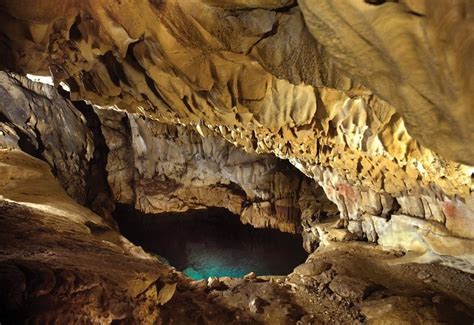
61,263
165,168
105,156
40,122
354,96
414,54
371,100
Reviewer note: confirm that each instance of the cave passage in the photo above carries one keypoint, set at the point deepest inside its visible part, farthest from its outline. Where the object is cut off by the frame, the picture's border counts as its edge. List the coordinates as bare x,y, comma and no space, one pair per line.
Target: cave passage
211,242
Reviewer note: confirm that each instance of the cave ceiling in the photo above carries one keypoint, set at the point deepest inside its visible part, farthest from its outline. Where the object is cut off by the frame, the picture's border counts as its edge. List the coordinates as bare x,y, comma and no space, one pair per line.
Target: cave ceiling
339,120
221,62
372,99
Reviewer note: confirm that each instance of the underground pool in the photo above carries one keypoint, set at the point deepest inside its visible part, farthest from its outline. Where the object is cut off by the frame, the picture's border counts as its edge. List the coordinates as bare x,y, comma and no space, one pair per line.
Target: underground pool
211,242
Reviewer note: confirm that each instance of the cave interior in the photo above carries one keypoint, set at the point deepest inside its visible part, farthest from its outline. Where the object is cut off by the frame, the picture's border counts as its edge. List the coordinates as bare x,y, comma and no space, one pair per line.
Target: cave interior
236,162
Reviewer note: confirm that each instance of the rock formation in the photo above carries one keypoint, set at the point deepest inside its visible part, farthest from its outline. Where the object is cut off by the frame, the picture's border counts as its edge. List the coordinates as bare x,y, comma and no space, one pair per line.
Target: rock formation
152,166
289,114
165,168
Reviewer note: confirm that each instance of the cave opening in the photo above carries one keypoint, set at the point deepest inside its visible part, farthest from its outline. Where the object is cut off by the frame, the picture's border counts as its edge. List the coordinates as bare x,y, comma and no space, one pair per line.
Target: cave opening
211,243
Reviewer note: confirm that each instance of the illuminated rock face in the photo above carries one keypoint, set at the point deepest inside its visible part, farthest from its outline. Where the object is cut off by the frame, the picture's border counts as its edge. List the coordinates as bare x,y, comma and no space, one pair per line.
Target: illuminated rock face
342,121
160,168
415,55
378,111
104,156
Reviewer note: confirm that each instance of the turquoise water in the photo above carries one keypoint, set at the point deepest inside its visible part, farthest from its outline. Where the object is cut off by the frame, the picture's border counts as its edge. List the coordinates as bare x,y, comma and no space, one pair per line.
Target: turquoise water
207,258
214,243
206,262
214,268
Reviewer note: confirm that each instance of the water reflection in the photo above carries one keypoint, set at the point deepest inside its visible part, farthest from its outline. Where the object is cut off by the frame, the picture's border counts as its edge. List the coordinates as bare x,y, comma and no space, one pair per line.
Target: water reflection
212,243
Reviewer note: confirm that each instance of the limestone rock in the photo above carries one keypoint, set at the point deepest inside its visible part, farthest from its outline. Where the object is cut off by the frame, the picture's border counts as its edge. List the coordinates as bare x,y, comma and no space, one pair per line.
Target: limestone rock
348,287
166,293
197,103
53,267
37,120
256,305
214,283
312,268
425,241
399,66
423,275
154,166
250,276
399,310
163,168
369,116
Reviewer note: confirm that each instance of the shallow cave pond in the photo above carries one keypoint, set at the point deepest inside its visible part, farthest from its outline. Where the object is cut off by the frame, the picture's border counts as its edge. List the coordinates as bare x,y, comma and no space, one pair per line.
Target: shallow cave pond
211,242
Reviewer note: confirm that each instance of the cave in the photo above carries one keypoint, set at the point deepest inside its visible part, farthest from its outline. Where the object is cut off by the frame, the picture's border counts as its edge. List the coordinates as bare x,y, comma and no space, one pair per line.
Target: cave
212,243
236,162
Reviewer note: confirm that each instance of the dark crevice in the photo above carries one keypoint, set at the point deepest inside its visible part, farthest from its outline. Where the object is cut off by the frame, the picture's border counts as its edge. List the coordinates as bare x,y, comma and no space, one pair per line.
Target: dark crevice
88,82
158,4
414,13
132,60
186,103
114,69
130,57
266,35
41,148
109,62
24,141
235,189
98,192
73,85
151,84
74,32
282,9
375,2
395,209
287,8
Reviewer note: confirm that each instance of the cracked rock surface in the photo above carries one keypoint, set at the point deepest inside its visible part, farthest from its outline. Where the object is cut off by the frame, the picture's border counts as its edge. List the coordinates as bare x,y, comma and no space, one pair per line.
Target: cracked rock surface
345,122
60,262
365,106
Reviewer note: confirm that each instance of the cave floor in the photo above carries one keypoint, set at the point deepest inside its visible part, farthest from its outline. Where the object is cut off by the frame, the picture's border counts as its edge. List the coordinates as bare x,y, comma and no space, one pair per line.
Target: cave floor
60,262
46,274
348,284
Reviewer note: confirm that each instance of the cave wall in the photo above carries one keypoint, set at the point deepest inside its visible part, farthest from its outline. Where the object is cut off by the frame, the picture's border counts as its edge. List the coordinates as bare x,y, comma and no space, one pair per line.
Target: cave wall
198,100
62,263
128,159
366,105
40,122
416,55
159,168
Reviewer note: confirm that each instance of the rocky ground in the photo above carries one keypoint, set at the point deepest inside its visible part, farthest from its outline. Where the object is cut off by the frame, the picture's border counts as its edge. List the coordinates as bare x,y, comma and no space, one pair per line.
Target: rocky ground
61,262
348,284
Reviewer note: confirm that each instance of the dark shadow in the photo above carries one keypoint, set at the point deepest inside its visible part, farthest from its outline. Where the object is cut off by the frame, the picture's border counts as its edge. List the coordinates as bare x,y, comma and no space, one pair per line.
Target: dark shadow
211,242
